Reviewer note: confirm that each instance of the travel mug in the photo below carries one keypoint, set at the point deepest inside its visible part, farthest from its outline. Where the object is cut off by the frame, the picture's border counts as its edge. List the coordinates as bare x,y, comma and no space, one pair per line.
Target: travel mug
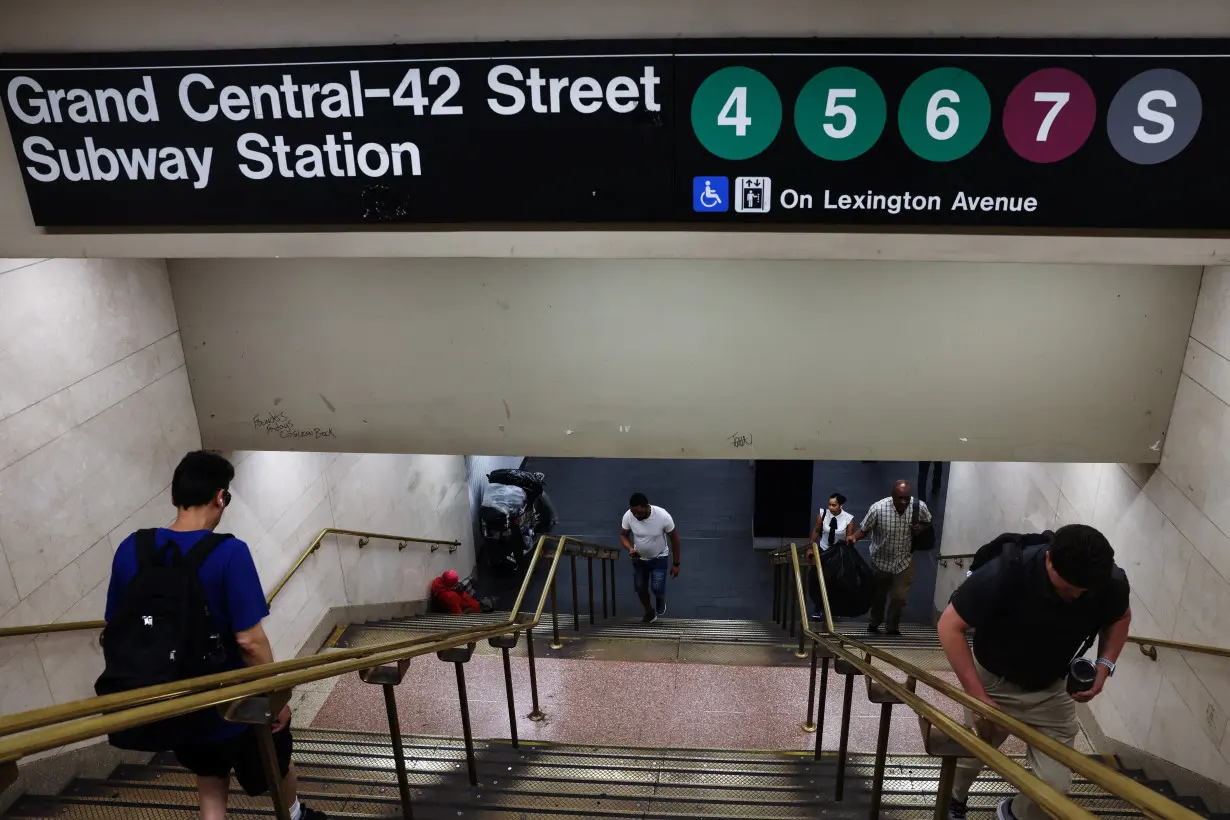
1081,675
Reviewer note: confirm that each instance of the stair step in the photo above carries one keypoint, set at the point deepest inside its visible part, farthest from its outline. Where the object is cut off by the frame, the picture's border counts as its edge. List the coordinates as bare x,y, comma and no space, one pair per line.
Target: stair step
690,629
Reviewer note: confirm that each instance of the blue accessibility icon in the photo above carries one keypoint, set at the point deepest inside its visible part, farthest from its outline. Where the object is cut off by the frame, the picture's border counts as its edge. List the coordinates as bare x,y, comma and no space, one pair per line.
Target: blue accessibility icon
710,194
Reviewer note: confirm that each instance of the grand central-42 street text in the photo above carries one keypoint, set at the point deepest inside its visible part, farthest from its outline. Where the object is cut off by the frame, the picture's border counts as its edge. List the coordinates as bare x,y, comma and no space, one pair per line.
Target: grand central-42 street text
73,122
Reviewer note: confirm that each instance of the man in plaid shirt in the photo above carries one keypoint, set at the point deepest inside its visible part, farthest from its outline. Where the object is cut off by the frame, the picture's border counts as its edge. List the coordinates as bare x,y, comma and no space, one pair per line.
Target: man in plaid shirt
890,525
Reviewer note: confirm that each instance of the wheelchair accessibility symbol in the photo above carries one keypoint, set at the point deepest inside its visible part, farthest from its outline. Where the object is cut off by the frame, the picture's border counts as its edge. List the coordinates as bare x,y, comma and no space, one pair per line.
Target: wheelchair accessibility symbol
710,194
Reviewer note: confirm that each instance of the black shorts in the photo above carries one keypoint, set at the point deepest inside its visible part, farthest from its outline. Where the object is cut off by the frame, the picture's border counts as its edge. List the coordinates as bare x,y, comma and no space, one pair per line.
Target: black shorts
241,755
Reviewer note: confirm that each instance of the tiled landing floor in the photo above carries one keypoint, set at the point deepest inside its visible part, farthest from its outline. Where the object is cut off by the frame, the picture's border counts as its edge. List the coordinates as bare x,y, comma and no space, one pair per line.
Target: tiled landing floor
626,704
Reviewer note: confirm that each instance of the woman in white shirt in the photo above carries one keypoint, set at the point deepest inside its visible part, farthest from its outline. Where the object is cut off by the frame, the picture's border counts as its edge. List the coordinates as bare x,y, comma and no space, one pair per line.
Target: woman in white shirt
833,524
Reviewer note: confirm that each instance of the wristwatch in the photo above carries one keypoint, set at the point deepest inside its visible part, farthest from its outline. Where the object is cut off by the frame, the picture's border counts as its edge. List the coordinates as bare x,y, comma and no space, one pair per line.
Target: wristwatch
1110,665
676,563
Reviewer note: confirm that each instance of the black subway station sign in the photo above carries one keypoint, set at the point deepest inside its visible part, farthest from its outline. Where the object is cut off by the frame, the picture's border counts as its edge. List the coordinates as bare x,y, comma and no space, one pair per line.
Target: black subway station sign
1037,135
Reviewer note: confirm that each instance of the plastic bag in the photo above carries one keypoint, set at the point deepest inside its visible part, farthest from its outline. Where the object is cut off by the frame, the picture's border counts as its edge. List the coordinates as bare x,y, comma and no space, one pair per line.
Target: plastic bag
533,482
847,579
501,504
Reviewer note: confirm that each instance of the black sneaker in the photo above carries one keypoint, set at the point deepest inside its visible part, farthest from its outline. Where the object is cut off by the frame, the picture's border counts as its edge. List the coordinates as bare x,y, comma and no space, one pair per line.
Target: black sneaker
956,809
873,627
661,607
891,631
311,814
649,617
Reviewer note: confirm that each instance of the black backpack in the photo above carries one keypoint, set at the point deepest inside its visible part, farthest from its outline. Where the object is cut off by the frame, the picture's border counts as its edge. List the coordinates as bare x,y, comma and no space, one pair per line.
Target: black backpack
1010,547
163,631
924,540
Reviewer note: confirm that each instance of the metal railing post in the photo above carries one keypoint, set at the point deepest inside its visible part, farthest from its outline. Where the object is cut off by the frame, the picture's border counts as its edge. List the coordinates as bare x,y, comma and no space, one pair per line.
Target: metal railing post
537,714
458,656
810,724
604,605
791,608
399,751
505,643
259,712
824,693
556,643
877,783
589,576
465,722
847,697
777,591
576,610
512,707
273,773
612,590
943,797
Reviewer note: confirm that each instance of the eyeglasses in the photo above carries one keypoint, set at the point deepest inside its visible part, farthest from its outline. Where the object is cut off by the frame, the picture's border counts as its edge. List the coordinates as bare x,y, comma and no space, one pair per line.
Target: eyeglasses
226,498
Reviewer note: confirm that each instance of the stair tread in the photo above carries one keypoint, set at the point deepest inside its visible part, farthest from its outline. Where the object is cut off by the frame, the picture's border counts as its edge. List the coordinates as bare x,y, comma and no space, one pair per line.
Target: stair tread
915,636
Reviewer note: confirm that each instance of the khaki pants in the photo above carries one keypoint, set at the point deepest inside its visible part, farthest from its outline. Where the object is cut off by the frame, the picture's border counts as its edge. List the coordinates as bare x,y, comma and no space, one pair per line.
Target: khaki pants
894,586
1051,711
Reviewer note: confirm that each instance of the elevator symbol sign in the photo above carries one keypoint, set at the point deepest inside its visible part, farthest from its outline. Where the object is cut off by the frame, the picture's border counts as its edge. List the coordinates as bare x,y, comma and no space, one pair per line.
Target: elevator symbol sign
752,194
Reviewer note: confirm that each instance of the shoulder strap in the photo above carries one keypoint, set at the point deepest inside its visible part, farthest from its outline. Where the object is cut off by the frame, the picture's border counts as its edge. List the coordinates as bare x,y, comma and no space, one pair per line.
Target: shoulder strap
201,550
914,517
146,544
1010,555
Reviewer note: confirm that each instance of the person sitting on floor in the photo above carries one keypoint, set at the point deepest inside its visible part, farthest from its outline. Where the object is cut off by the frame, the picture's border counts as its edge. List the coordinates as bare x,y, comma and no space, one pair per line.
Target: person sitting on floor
449,597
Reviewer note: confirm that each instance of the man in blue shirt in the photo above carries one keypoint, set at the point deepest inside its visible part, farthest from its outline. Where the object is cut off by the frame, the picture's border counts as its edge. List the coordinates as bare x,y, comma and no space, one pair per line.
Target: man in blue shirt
200,492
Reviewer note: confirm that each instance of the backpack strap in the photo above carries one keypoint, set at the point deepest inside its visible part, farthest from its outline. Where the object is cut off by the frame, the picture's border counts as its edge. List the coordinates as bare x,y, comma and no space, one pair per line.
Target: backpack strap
146,544
914,515
1012,579
201,550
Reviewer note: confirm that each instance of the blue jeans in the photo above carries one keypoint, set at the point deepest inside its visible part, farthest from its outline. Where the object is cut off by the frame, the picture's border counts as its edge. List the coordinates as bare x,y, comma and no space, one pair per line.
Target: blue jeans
650,575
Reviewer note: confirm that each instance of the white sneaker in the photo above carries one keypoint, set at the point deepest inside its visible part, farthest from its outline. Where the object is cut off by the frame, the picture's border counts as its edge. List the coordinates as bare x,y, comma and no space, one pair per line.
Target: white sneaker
1003,811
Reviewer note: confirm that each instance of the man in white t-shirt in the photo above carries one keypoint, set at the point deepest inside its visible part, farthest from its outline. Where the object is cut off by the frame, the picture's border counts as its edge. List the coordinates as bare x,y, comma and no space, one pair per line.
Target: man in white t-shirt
648,534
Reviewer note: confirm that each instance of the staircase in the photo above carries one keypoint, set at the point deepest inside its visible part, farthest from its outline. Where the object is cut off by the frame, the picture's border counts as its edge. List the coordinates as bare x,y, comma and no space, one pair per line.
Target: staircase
351,775
732,642
692,630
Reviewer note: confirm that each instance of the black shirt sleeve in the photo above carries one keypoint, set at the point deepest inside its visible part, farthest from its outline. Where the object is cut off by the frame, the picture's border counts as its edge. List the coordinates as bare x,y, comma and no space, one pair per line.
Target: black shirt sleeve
979,595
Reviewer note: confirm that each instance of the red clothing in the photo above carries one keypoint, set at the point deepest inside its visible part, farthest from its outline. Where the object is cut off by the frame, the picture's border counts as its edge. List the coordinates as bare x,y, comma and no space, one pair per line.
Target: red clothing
451,599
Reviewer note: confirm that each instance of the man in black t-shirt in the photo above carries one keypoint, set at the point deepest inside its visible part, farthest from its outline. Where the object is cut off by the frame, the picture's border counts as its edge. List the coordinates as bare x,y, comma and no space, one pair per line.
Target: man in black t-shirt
1031,616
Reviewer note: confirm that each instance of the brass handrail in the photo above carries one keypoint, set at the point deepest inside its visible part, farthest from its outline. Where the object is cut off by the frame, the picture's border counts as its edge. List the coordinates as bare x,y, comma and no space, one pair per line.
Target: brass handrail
53,728
39,629
564,542
1054,803
1058,805
615,551
35,718
365,537
1148,647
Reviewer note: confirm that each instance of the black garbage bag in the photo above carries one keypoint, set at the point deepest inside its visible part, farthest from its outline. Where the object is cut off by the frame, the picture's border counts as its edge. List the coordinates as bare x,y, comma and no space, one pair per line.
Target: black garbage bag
847,579
526,480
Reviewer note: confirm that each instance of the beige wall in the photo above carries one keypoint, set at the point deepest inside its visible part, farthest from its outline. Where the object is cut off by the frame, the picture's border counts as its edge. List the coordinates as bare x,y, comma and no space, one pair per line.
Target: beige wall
95,412
1171,531
80,25
671,359
282,500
